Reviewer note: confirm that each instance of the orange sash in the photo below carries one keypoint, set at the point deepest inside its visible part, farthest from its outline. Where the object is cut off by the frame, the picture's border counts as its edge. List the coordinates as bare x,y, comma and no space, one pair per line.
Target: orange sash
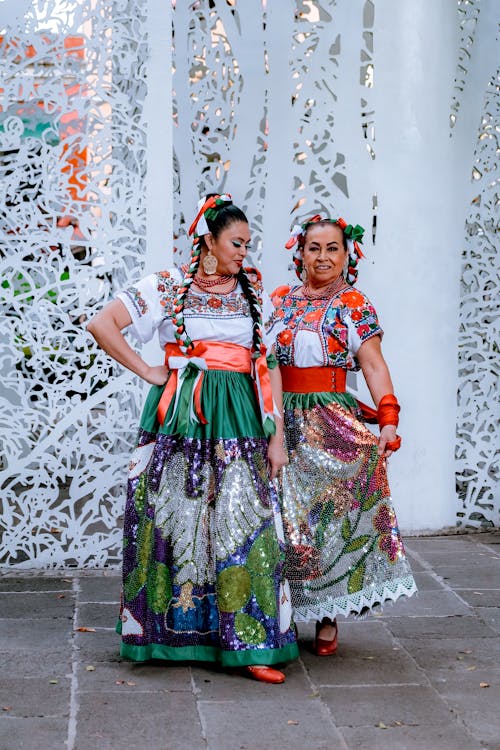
212,355
313,379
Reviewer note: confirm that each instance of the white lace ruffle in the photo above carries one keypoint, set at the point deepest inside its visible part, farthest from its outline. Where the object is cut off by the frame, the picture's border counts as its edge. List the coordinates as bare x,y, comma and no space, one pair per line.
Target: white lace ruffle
360,602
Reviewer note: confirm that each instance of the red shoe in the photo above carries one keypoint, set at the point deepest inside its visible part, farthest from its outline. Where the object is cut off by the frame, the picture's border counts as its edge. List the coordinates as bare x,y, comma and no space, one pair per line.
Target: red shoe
321,646
265,674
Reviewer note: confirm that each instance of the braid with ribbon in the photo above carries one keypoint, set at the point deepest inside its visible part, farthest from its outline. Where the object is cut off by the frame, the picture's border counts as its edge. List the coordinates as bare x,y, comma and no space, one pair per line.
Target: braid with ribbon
181,335
207,212
255,308
352,236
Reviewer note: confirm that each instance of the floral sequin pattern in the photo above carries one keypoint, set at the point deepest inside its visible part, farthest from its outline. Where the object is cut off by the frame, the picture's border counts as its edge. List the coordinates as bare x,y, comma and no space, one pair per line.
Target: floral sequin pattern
389,540
224,586
344,549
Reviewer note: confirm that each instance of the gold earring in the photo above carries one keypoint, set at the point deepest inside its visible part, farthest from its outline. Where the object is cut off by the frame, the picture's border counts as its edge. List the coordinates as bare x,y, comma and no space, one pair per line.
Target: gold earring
209,263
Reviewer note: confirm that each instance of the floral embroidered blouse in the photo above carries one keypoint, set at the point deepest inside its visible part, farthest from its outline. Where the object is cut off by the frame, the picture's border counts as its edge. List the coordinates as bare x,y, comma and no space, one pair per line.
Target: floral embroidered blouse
210,317
322,332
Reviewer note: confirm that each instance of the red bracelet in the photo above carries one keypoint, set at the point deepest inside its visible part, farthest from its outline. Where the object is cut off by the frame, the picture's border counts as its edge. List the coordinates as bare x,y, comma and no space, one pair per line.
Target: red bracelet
388,413
388,410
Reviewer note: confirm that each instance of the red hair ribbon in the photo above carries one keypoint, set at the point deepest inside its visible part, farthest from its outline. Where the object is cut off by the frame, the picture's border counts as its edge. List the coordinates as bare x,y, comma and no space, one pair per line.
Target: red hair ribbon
209,203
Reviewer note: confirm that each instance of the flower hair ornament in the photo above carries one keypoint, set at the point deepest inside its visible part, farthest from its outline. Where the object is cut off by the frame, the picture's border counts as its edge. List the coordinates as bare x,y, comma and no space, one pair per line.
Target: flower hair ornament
353,235
199,227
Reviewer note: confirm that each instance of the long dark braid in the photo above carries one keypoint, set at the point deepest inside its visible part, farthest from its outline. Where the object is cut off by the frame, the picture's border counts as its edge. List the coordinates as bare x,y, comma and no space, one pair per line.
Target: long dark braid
255,308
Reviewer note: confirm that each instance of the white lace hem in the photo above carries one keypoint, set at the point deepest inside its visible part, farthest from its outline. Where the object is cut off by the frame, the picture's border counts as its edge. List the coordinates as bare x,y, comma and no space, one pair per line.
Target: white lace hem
357,603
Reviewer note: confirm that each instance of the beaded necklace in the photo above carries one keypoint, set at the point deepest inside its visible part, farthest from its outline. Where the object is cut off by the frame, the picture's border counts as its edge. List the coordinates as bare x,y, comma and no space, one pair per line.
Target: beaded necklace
327,291
207,284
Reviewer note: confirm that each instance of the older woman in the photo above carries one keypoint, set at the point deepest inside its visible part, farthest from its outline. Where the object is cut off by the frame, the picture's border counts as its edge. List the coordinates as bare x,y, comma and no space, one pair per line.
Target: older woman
345,554
202,570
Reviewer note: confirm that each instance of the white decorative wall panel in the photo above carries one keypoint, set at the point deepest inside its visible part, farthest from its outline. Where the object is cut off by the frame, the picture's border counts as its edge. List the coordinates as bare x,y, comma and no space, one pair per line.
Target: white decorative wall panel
273,102
273,105
72,219
479,332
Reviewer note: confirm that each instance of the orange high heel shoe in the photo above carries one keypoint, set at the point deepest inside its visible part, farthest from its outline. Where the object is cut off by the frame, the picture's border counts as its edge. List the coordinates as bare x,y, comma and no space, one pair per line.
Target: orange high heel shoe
321,646
265,674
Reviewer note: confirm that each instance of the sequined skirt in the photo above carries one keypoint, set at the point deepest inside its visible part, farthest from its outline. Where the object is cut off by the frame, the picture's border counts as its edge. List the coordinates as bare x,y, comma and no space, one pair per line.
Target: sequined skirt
203,538
344,552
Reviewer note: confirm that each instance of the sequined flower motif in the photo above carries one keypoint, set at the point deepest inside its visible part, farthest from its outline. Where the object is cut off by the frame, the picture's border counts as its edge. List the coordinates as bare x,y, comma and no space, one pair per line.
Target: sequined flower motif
390,541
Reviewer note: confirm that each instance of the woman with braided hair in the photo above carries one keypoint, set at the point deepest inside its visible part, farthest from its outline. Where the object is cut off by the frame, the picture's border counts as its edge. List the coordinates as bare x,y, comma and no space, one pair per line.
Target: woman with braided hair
344,550
204,546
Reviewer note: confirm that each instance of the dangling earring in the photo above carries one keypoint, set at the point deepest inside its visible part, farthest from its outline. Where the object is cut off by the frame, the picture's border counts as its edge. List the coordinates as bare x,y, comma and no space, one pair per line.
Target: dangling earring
209,263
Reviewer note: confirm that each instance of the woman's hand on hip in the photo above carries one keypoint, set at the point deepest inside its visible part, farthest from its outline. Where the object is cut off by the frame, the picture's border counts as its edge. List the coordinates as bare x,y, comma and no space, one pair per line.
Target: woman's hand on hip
156,375
387,435
276,456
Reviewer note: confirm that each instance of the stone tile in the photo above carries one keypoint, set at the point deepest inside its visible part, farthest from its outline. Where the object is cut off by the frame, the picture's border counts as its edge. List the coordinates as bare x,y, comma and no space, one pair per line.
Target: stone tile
101,589
490,615
148,677
103,645
35,696
449,736
417,566
470,577
448,542
215,683
476,706
427,582
293,723
34,583
367,655
382,668
36,605
33,734
109,721
449,654
37,635
427,604
37,662
458,626
480,597
97,615
451,551
415,705
488,538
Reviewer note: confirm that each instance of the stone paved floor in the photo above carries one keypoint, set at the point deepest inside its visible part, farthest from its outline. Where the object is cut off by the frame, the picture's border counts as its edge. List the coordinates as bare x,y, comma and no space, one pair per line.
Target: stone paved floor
424,675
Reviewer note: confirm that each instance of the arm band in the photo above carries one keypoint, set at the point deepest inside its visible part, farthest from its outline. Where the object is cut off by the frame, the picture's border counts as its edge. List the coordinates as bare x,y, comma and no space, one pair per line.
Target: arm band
387,413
